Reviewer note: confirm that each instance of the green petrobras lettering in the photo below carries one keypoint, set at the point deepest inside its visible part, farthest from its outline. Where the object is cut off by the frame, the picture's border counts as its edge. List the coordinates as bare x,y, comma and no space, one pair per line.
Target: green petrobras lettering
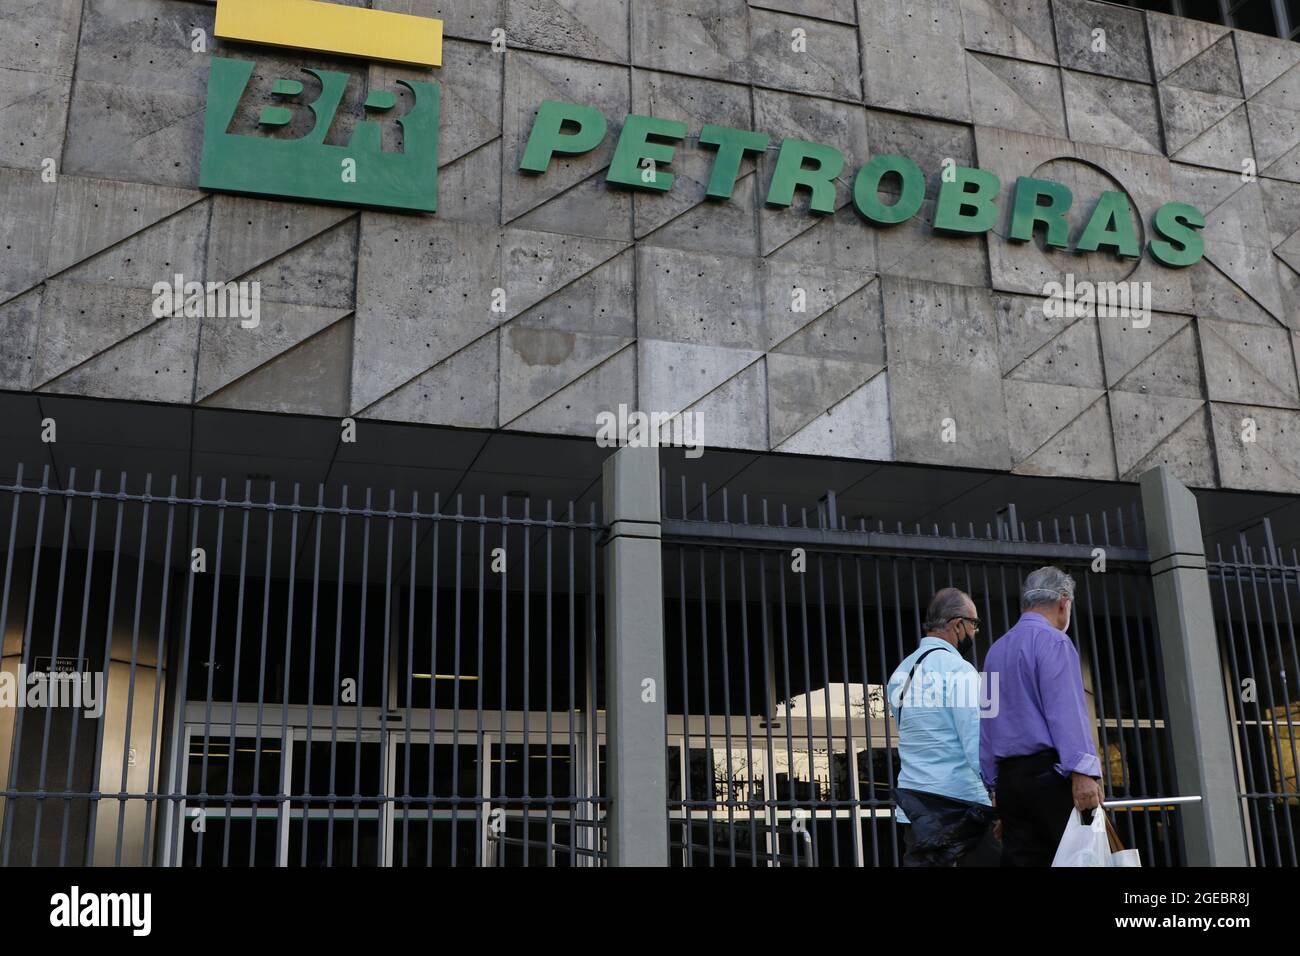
791,173
636,160
308,167
1181,244
548,136
732,145
866,189
1027,211
967,210
1110,226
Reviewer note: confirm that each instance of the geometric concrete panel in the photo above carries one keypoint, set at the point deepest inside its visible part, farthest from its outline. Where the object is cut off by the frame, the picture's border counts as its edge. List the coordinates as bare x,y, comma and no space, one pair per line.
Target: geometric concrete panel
80,321
1104,110
464,19
1161,359
20,320
829,65
573,410
945,384
1257,448
913,57
1219,297
1146,425
1276,134
33,117
700,37
1120,51
841,11
734,415
1082,447
228,352
310,378
1033,348
1205,129
856,427
1037,412
1249,364
153,365
809,289
538,362
1016,29
1176,41
92,214
801,388
698,298
674,375
460,390
247,232
139,95
851,330
1213,70
28,205
1263,59
40,37
1012,94
590,29
914,250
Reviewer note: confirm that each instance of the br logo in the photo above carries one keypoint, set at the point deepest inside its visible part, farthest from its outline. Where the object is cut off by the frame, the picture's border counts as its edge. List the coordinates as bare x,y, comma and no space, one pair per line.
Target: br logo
311,166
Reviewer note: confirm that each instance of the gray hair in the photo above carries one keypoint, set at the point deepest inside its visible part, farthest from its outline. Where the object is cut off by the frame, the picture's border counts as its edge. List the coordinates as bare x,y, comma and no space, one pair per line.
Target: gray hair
946,604
1045,586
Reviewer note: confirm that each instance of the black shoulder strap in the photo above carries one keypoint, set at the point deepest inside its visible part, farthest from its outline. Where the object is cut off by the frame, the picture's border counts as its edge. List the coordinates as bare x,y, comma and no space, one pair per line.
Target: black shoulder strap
908,683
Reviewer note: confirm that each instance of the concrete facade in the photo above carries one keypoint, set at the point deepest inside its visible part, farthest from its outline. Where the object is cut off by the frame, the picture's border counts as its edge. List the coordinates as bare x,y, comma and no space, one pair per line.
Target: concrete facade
675,302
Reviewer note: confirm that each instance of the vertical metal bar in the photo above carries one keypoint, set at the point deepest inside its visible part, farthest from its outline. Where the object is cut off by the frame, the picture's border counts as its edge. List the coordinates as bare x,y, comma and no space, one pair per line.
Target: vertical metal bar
385,806
261,676
311,668
180,758
54,665
26,658
410,677
135,651
162,674
479,680
456,636
359,736
550,788
433,670
234,692
93,816
286,741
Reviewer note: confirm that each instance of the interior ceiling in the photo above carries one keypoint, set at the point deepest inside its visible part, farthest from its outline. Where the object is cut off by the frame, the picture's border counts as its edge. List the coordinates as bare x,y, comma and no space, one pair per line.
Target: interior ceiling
213,445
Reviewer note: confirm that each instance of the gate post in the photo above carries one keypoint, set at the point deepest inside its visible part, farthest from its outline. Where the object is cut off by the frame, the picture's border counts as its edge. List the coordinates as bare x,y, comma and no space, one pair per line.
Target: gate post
1198,723
636,746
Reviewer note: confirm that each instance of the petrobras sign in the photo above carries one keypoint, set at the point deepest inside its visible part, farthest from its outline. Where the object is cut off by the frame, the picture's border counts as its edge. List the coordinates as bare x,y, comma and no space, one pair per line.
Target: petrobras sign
291,150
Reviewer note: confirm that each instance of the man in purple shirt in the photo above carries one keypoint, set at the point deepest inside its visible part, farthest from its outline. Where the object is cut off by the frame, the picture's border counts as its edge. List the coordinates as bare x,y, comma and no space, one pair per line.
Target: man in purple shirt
1037,753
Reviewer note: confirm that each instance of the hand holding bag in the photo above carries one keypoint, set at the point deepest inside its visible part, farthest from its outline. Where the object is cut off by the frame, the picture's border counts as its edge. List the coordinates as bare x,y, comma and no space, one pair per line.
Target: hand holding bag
1093,844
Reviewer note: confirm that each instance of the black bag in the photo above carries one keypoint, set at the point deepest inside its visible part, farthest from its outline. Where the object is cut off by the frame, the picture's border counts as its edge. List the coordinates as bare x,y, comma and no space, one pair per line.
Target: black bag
943,828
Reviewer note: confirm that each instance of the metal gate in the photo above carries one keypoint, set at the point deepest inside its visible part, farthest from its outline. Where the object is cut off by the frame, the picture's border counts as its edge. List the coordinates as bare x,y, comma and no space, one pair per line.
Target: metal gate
1256,594
780,748
273,677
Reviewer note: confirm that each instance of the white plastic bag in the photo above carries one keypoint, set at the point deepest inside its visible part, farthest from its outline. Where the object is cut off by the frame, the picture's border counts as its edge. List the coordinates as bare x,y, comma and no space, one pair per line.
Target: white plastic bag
1084,845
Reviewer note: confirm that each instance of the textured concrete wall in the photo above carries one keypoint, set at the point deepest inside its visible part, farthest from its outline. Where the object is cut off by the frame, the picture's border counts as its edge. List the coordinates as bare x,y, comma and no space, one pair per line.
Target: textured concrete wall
676,302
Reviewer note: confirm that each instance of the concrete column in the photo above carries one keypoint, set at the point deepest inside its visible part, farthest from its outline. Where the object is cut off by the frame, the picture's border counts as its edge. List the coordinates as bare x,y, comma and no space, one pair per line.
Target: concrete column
636,747
1197,721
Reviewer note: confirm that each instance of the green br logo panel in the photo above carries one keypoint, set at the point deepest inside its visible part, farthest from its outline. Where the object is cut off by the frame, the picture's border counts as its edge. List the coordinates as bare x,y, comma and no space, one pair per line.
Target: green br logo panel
358,174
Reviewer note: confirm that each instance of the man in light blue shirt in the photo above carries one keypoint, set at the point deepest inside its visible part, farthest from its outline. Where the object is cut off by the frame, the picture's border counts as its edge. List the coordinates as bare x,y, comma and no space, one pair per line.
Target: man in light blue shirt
934,697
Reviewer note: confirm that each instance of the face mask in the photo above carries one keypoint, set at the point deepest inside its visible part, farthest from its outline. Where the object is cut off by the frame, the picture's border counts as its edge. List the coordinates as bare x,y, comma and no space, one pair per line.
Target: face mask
964,645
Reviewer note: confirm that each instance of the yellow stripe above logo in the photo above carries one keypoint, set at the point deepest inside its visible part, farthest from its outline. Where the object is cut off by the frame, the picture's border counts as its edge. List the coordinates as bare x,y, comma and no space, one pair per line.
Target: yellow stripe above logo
332,28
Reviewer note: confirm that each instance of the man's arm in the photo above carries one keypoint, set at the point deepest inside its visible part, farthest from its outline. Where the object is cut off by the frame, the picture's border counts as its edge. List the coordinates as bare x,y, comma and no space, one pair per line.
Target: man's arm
988,766
1060,688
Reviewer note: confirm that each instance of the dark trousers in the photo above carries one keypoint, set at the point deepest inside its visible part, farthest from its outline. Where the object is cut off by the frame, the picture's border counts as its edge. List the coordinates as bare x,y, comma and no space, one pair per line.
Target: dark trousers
1034,803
